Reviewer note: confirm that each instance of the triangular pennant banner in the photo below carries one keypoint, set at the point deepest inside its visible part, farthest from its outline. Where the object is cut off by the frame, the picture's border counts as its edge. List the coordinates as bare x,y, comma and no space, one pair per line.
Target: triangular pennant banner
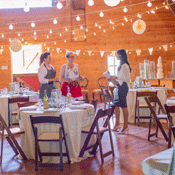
165,47
89,52
150,50
113,53
138,51
102,53
77,52
58,49
48,48
126,51
66,50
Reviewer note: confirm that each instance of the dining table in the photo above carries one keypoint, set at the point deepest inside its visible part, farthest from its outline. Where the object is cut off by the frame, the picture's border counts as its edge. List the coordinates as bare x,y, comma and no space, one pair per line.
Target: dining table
74,117
33,96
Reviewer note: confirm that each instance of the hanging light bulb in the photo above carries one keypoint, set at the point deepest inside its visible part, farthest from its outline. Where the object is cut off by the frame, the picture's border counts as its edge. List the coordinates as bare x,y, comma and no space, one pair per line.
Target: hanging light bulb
101,14
90,2
110,22
19,34
171,46
26,8
113,27
148,12
78,18
86,30
81,27
139,15
94,33
156,8
47,36
99,27
152,11
122,24
22,39
131,20
1,47
75,39
84,36
166,7
35,38
66,29
55,21
125,18
2,36
125,10
10,40
73,32
44,44
50,31
34,32
60,34
149,4
55,43
159,47
96,24
104,30
65,41
10,26
32,24
59,5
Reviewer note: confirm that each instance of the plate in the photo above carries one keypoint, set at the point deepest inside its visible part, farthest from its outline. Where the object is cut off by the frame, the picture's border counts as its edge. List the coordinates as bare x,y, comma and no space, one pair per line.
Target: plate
51,109
77,102
171,98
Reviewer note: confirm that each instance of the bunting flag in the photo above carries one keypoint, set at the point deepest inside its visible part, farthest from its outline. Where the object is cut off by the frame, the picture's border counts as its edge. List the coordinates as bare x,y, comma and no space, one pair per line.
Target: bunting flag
89,52
113,53
150,50
138,51
102,53
48,49
1,50
165,47
57,49
67,50
77,52
126,51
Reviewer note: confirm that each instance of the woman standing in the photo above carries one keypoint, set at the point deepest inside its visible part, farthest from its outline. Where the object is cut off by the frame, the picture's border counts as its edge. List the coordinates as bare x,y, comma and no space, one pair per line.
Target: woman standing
70,76
122,81
46,74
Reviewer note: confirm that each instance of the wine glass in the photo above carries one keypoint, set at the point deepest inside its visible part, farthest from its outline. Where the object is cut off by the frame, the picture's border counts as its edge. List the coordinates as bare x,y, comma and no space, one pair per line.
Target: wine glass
40,103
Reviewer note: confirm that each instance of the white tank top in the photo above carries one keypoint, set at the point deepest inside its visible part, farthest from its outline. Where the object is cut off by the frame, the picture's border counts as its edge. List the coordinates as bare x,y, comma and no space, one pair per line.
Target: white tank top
72,73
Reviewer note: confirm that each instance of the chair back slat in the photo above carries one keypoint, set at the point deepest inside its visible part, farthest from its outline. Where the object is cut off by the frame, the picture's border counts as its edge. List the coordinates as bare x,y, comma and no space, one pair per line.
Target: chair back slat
94,103
103,82
145,93
25,104
84,83
18,99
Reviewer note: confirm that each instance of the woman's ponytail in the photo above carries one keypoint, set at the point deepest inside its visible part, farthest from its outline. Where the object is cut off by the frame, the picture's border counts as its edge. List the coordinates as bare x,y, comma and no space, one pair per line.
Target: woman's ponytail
44,56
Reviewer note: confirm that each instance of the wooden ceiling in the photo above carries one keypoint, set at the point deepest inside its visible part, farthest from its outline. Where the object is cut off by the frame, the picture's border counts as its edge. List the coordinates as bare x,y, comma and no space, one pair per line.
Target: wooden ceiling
160,27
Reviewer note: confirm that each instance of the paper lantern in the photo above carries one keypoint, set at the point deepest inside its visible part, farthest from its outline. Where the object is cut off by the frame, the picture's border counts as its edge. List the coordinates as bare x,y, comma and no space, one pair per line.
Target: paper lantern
139,26
15,45
112,3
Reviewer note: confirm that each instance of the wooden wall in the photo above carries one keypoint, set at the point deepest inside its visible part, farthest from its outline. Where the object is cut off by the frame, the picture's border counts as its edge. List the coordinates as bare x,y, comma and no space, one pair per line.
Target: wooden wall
160,30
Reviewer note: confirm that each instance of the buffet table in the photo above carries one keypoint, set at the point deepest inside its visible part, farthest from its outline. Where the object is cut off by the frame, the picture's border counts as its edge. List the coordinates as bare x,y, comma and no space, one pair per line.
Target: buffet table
73,120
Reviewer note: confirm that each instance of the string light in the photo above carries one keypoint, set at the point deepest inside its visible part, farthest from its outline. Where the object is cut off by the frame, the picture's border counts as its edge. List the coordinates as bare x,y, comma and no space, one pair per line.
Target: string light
10,40
99,27
34,32
111,22
19,34
94,33
125,10
131,20
55,43
84,36
32,24
44,44
101,14
2,36
104,30
78,18
139,15
50,31
59,5
96,24
125,18
22,39
26,8
148,12
66,29
122,24
73,32
152,11
75,39
149,4
81,27
65,41
47,36
11,27
113,27
1,47
86,30
90,2
60,34
55,21
166,7
35,38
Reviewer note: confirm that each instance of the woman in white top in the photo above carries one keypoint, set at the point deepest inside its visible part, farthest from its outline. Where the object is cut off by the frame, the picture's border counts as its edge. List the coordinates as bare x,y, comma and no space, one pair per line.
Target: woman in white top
121,81
70,76
46,74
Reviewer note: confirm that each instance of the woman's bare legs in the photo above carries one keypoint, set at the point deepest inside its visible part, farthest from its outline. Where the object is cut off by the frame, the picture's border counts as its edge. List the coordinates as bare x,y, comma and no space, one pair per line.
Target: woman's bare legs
125,117
117,117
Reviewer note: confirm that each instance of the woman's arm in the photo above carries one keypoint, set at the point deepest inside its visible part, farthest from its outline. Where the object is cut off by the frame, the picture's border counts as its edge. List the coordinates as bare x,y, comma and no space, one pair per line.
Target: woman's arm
42,72
62,71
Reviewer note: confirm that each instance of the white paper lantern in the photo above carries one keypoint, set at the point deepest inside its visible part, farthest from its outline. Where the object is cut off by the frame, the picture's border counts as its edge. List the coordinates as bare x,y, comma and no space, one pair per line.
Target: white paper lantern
139,26
15,45
112,3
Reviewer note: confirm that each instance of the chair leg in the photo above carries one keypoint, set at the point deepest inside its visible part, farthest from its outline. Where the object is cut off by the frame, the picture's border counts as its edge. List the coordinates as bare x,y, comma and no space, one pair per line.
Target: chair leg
12,145
93,96
157,129
110,136
100,146
36,150
61,153
149,132
2,143
100,98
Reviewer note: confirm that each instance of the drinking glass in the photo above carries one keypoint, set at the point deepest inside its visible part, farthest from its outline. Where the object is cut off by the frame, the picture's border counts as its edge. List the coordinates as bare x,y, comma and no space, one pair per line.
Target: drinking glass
40,103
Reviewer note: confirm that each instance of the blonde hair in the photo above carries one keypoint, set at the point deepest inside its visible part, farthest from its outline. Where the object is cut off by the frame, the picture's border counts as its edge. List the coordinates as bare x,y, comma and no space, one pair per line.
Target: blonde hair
68,53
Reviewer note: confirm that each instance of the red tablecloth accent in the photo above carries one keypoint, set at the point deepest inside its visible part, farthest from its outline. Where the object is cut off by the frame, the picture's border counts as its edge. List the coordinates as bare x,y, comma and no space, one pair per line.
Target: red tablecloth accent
32,81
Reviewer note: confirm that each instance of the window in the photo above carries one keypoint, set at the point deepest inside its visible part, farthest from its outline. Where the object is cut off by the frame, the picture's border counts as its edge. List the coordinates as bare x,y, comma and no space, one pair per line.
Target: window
113,64
6,4
26,61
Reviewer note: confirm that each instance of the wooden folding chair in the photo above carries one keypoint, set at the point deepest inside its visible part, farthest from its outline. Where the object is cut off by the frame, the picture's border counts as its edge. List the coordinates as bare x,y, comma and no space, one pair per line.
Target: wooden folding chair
139,105
170,110
94,103
108,99
99,131
154,99
49,137
9,135
12,100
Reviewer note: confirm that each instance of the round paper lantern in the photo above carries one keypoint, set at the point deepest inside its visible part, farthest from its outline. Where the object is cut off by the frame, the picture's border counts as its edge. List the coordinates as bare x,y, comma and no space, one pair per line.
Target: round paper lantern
15,45
112,3
139,26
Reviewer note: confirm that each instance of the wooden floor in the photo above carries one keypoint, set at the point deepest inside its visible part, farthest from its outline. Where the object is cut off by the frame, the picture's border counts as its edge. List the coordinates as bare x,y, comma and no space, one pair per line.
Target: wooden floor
130,151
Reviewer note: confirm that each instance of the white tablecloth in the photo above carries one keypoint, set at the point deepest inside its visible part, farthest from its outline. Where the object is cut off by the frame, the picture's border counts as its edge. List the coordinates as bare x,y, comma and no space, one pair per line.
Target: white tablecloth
161,163
131,101
73,121
4,104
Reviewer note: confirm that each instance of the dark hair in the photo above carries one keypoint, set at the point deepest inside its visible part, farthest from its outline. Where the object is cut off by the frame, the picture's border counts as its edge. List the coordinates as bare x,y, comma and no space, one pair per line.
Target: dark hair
44,56
123,58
